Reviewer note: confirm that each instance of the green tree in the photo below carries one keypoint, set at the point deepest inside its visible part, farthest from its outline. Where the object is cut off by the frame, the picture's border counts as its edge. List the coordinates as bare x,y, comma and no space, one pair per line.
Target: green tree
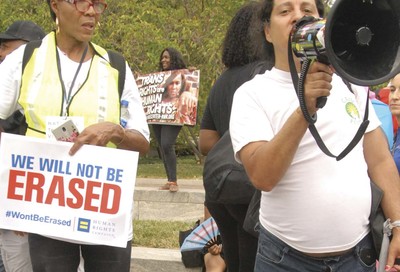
140,29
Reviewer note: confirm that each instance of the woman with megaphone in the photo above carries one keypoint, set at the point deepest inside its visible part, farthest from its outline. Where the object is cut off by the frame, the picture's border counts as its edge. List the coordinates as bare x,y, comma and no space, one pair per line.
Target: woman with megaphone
315,209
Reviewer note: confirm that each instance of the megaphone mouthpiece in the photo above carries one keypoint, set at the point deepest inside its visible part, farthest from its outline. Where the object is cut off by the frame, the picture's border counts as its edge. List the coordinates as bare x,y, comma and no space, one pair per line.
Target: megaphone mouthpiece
308,38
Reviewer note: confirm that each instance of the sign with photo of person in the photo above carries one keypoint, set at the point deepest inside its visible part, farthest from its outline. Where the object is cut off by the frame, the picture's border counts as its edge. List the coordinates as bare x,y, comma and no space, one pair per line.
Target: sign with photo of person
170,97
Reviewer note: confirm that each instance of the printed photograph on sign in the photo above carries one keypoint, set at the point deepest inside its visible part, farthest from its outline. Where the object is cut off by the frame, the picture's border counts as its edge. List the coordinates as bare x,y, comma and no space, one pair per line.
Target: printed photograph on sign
170,97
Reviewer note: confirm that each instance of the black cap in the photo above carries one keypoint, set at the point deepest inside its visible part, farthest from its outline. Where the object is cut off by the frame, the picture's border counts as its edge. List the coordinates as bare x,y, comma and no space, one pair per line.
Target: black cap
23,30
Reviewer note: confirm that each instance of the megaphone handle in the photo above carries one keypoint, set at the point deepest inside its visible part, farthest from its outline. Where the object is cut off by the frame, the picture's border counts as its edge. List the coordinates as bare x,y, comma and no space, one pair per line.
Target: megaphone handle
300,92
321,101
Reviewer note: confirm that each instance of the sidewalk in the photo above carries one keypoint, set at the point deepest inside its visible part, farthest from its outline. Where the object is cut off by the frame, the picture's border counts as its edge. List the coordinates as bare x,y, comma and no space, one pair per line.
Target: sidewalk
156,259
154,204
185,184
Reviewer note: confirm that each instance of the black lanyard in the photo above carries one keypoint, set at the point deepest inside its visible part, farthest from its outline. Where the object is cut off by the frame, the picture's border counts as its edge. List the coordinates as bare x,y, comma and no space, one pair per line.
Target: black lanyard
298,85
68,97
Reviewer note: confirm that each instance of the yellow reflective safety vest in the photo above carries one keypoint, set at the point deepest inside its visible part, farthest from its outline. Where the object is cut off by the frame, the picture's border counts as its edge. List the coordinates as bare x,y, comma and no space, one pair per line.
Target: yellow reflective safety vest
41,94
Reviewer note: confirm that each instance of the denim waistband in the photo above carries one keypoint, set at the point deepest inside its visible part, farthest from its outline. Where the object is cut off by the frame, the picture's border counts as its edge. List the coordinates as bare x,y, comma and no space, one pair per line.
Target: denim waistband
364,241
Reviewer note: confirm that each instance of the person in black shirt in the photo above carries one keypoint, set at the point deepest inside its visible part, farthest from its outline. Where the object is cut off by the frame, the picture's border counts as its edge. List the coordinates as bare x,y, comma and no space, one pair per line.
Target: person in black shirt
243,56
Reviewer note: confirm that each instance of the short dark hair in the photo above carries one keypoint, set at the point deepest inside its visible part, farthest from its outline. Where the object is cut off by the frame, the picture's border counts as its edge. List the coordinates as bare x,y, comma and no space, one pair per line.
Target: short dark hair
244,39
176,61
52,14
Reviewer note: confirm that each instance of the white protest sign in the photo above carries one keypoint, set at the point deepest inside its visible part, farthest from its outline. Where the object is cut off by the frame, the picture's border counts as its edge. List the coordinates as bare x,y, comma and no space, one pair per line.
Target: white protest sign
85,198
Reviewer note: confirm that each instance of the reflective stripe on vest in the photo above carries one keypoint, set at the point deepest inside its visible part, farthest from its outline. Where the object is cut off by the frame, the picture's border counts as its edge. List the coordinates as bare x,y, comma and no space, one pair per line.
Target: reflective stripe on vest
97,100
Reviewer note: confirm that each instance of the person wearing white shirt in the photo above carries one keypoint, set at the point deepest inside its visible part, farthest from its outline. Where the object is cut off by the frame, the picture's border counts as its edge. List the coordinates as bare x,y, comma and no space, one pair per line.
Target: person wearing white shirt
14,246
314,211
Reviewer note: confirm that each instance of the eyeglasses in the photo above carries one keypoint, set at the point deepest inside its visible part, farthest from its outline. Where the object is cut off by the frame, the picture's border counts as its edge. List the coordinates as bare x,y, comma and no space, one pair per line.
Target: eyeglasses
84,5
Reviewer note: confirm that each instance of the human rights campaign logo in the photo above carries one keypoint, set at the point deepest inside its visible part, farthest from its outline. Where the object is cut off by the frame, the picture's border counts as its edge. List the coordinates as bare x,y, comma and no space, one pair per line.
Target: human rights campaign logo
84,225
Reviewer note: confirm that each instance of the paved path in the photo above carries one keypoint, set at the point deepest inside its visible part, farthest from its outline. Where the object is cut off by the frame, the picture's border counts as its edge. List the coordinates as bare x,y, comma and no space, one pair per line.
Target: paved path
160,260
184,184
186,204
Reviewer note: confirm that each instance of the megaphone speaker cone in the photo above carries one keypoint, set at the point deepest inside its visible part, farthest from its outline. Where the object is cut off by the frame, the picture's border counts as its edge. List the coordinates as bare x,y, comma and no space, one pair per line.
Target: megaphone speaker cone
362,39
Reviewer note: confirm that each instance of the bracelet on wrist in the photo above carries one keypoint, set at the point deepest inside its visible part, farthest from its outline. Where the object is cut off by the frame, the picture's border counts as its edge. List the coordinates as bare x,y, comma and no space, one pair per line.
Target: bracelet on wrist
123,136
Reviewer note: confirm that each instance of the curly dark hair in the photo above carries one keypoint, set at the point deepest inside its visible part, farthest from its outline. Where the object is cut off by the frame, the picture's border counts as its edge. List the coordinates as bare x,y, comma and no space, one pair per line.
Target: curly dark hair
243,42
176,60
265,15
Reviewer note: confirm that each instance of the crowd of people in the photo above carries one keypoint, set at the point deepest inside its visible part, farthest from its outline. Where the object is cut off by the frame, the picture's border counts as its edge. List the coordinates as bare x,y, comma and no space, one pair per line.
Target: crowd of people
314,211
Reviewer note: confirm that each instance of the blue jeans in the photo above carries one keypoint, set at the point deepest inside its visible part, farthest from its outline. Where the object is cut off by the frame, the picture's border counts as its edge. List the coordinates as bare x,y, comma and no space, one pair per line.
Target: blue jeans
50,255
166,137
273,255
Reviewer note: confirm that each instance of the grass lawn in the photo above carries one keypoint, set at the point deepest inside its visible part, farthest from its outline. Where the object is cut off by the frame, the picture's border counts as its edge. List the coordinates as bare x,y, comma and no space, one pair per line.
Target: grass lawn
163,234
158,234
187,167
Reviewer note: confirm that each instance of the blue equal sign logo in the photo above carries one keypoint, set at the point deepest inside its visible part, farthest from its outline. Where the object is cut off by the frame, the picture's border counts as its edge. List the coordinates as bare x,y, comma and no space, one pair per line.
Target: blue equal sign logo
83,225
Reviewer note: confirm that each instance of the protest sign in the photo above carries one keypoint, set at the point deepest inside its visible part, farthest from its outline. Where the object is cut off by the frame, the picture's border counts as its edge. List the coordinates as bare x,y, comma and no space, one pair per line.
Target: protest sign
84,198
170,97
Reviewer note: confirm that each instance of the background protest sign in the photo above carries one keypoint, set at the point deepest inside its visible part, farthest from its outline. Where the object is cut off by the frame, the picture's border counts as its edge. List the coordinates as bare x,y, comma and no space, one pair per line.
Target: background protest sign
82,198
170,97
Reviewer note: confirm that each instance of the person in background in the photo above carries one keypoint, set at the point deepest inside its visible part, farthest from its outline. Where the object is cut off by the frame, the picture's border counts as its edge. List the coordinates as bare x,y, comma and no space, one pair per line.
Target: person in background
242,54
382,110
14,245
314,211
394,105
18,33
67,56
166,135
383,96
213,260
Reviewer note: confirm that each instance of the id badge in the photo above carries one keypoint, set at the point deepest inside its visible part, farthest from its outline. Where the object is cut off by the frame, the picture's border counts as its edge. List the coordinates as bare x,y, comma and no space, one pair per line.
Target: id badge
63,128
